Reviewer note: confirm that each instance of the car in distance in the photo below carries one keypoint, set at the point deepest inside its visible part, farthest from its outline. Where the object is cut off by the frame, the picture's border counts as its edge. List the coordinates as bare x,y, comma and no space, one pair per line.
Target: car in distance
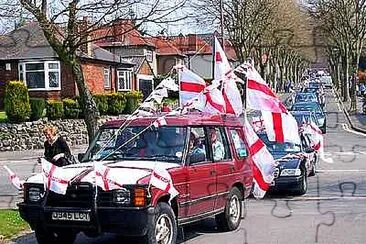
315,107
207,186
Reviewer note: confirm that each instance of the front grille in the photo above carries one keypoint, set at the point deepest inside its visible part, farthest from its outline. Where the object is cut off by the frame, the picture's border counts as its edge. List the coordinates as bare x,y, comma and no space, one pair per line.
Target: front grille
276,173
105,198
77,195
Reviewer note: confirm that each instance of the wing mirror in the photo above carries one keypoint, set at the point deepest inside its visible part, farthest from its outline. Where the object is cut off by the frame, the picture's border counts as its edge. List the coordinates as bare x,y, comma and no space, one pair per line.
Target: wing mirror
309,150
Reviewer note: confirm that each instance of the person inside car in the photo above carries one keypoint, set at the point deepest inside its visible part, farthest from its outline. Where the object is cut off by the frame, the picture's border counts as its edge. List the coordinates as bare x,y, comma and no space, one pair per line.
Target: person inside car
195,151
217,147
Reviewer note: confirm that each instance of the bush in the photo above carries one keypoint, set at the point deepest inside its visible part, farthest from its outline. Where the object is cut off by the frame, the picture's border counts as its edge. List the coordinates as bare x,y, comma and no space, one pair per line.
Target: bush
133,100
55,109
71,108
17,106
37,107
116,103
102,103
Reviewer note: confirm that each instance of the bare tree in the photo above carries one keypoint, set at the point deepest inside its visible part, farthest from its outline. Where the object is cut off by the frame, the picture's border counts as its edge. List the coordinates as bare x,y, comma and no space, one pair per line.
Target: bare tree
60,25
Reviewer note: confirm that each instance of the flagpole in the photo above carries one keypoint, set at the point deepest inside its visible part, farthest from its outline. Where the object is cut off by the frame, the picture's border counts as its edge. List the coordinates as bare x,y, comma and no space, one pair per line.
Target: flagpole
213,57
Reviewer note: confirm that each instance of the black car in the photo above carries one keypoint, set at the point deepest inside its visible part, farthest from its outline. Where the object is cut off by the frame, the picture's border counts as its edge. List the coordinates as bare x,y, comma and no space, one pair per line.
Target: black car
314,107
295,164
318,91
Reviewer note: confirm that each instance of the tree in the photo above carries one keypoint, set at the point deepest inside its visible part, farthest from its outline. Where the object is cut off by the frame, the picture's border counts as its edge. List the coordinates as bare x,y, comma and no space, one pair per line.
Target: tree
62,27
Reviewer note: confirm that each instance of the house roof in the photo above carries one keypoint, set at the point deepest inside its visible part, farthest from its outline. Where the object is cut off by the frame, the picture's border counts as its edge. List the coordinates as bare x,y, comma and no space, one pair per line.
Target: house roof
165,46
29,42
193,44
121,33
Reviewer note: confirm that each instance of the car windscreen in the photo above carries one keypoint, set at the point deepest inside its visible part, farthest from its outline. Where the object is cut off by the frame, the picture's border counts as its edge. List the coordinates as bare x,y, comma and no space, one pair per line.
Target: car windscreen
306,107
139,143
280,148
305,97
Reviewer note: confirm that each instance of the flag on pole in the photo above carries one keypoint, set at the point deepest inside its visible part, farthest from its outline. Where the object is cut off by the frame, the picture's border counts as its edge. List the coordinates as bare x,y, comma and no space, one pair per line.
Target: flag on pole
190,85
281,127
263,166
14,178
222,65
161,179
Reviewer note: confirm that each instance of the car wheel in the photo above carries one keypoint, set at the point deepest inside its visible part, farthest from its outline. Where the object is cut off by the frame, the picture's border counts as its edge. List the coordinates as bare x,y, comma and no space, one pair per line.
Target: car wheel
313,170
163,230
303,185
230,219
48,236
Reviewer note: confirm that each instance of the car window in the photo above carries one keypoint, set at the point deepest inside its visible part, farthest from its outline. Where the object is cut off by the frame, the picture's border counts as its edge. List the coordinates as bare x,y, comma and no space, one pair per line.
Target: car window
238,142
219,144
197,146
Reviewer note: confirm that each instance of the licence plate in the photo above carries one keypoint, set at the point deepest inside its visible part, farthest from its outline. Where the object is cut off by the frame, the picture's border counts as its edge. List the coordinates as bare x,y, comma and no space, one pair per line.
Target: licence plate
71,216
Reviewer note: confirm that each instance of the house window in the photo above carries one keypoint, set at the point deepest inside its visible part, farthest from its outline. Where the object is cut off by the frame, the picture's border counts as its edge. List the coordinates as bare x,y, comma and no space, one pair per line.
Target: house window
41,75
124,80
149,56
107,78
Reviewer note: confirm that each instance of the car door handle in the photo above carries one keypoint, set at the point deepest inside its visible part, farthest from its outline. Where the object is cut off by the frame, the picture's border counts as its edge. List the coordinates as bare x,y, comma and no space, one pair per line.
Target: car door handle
212,172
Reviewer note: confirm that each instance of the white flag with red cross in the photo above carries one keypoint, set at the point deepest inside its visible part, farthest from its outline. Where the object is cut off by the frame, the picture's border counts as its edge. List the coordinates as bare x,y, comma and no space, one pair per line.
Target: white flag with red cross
56,178
263,162
190,85
14,178
159,122
106,179
161,179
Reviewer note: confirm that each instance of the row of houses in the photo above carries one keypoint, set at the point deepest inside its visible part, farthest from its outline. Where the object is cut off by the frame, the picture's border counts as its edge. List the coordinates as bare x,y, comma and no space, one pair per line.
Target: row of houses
118,62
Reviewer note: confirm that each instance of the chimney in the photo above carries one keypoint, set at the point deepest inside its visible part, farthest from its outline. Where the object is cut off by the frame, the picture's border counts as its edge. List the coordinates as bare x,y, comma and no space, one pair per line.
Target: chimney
192,42
83,27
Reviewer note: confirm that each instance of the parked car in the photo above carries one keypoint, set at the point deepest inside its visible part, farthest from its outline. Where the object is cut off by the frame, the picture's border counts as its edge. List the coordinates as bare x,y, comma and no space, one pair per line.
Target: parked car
315,107
295,164
208,187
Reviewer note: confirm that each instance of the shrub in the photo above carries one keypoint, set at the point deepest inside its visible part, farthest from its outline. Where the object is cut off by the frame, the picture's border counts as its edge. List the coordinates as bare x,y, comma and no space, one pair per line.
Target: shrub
37,107
133,100
17,106
102,103
71,108
55,109
116,103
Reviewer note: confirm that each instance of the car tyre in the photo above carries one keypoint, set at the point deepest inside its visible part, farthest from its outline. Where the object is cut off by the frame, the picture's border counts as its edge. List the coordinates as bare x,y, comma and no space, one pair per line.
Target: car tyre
313,169
303,185
51,237
164,227
230,219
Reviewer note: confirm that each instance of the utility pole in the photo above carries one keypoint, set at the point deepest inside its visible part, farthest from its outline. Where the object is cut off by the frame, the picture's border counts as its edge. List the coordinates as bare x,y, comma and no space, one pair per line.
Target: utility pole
222,23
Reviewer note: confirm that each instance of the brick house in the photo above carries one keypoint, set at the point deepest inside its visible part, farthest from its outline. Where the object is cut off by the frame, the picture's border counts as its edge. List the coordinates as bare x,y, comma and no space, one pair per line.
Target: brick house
26,55
122,39
198,50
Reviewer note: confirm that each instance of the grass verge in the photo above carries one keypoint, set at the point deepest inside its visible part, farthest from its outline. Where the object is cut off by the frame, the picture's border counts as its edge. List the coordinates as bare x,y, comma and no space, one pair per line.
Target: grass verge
11,223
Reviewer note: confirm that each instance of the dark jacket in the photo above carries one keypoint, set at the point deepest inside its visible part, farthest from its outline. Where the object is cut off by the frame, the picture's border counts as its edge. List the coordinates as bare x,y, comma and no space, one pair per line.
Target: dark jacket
59,146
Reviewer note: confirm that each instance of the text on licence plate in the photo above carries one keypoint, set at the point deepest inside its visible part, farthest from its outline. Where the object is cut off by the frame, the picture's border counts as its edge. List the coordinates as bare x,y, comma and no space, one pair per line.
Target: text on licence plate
70,216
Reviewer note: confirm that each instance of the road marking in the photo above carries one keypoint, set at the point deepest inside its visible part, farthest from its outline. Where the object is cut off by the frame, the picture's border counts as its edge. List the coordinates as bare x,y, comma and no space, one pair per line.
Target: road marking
313,198
350,153
345,127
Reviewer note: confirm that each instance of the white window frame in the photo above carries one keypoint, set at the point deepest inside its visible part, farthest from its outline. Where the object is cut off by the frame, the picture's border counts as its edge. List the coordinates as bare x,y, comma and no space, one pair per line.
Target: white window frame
46,70
127,75
149,54
107,71
144,77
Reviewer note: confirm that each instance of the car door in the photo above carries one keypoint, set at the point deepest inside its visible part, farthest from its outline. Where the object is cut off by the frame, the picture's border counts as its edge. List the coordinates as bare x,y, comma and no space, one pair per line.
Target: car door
201,182
224,163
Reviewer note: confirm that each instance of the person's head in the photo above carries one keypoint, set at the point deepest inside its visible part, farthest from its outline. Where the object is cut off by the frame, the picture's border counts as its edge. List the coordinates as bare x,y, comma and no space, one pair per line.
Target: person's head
213,135
50,132
165,104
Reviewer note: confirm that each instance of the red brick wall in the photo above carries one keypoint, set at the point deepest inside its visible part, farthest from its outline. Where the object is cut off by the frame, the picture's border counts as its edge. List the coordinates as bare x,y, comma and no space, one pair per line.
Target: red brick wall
48,95
5,76
94,77
68,86
145,69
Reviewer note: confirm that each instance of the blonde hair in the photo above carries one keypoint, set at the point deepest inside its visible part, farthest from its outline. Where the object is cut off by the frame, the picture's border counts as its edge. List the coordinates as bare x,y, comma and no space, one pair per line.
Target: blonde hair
50,129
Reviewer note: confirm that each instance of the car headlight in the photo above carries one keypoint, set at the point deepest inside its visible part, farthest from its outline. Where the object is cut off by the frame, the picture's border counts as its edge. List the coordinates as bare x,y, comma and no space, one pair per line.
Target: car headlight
35,194
122,196
291,172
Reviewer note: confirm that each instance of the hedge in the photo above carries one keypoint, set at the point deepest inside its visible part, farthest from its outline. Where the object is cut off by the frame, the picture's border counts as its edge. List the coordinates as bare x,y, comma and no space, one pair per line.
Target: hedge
17,105
71,108
55,109
133,100
38,106
102,103
116,103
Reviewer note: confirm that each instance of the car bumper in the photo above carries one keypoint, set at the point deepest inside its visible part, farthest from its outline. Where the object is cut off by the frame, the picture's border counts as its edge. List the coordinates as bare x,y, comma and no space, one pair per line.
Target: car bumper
286,183
126,221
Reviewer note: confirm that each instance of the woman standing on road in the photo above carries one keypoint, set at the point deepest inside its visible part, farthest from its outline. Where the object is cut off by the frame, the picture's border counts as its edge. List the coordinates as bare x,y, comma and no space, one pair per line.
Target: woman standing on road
56,149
